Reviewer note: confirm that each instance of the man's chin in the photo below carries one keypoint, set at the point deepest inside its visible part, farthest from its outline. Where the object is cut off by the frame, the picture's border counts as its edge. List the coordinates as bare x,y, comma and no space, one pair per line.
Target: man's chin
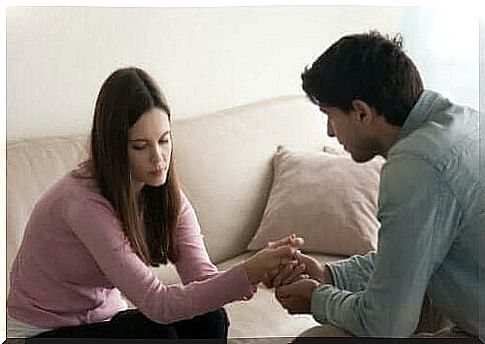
361,158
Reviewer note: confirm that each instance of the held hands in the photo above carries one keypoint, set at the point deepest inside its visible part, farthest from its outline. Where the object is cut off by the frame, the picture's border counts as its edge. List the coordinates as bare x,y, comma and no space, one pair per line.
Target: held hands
296,295
271,258
294,292
296,280
303,267
294,274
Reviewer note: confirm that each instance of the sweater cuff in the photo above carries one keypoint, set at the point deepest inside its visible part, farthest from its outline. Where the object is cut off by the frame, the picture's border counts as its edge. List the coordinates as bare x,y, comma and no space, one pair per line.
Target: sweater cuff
248,289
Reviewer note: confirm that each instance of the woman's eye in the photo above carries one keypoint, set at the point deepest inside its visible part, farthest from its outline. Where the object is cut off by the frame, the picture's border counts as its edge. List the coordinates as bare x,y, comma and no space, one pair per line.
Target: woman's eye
138,147
164,142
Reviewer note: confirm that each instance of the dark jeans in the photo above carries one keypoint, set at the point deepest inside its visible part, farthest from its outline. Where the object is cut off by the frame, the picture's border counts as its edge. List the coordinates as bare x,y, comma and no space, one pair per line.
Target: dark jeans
133,324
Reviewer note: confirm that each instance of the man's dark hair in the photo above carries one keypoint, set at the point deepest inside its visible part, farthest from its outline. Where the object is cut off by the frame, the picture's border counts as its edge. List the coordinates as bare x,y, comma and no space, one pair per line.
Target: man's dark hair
368,67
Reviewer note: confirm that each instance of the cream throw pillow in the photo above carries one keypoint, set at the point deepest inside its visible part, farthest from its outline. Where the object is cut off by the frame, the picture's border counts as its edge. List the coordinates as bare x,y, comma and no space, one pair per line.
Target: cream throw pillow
328,199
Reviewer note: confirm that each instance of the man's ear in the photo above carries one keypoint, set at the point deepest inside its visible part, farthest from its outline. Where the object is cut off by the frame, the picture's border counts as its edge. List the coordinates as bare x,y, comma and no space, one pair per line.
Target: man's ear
364,112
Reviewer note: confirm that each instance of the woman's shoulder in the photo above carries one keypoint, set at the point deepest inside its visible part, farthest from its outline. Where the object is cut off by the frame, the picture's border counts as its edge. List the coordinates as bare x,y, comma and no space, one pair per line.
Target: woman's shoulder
67,192
185,204
79,195
71,187
183,198
79,184
187,215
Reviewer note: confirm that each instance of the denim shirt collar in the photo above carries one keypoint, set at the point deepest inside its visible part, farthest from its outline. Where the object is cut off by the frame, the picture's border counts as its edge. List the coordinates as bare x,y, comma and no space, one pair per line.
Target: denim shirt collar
420,112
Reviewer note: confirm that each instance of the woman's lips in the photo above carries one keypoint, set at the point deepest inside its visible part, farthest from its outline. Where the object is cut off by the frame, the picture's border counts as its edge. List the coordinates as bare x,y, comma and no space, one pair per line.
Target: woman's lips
158,172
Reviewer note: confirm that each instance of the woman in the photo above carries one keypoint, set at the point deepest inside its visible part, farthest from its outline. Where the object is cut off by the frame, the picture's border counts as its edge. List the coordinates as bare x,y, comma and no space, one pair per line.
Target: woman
94,234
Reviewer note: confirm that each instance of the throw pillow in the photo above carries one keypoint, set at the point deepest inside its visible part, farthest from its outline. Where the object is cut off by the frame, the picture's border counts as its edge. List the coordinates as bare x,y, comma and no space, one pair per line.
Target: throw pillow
328,199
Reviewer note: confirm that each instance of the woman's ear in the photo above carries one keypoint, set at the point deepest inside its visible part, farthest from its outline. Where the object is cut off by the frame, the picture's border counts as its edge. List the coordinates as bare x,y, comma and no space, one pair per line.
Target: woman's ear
363,112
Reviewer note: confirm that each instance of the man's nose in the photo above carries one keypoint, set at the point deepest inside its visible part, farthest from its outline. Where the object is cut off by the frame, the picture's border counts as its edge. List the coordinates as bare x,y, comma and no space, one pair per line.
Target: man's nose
330,131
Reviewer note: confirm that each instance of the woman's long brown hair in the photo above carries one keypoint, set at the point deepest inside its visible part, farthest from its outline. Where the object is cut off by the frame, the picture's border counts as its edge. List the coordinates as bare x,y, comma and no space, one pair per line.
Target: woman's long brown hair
148,221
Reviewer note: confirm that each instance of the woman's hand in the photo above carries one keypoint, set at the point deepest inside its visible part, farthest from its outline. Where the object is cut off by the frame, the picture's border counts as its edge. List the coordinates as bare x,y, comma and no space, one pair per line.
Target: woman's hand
273,257
291,239
304,267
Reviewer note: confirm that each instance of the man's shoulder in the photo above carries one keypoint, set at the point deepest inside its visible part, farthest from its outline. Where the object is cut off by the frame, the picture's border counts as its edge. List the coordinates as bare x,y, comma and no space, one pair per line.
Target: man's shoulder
443,138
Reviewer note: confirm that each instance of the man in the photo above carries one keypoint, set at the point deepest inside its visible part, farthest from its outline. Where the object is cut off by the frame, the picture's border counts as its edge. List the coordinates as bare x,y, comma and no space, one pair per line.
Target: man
430,205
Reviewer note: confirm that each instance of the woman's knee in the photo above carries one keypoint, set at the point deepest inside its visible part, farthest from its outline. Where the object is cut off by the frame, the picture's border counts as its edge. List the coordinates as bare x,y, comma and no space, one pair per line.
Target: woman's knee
214,324
216,319
219,316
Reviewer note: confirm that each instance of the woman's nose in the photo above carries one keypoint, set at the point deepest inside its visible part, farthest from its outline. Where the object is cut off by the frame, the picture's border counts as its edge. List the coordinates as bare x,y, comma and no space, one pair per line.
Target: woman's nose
157,156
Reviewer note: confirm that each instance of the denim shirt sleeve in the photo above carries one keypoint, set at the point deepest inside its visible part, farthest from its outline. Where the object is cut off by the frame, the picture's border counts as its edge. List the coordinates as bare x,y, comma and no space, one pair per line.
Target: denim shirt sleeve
353,273
389,304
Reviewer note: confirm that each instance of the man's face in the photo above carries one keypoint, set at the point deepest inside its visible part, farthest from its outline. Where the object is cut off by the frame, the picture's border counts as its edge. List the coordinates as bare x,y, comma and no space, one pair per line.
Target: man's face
351,132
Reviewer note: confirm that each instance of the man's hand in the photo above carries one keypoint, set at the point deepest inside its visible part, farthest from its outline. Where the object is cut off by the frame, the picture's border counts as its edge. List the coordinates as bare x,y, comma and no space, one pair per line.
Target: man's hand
304,267
272,258
296,297
286,274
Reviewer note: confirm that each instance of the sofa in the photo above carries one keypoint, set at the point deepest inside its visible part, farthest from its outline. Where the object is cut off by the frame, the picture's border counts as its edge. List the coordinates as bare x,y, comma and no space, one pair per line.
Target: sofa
224,163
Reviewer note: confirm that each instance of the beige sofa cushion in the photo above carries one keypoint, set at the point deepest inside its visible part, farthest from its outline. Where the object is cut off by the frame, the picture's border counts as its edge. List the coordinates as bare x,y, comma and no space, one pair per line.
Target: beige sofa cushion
328,199
33,165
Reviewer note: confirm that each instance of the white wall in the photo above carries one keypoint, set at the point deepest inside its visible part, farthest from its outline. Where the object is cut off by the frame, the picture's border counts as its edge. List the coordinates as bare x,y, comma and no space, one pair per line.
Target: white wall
204,59
443,42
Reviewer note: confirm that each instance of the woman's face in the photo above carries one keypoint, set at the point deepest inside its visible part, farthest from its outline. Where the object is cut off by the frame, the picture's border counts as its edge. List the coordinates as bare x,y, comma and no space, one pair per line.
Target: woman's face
150,149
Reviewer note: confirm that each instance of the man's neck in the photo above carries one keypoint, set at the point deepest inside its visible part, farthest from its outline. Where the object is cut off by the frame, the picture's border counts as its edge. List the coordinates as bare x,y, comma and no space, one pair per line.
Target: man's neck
389,135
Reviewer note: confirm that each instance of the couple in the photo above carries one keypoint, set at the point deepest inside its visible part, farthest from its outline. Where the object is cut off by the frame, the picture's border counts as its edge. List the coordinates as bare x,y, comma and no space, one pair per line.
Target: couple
122,211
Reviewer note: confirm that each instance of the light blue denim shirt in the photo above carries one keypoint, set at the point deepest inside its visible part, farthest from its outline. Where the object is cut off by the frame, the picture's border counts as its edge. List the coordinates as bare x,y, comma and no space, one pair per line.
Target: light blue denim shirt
432,215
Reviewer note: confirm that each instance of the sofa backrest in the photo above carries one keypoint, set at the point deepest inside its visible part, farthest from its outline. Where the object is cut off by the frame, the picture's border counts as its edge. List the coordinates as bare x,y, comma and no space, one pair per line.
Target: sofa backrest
224,163
223,160
33,165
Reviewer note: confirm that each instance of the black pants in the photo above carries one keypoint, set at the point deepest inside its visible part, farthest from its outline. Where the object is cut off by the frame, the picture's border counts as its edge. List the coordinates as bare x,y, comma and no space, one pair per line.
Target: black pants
133,324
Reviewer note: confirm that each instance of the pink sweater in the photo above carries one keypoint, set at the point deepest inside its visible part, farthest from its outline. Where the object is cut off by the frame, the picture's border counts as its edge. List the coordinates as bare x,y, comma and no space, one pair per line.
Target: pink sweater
75,260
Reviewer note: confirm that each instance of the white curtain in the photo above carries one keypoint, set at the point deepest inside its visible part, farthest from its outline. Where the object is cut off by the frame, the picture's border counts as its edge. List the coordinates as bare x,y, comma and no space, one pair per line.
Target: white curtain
444,44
